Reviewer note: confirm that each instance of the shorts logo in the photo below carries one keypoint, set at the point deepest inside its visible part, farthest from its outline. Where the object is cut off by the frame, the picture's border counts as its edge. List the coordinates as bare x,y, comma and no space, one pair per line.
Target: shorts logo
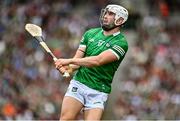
97,103
74,89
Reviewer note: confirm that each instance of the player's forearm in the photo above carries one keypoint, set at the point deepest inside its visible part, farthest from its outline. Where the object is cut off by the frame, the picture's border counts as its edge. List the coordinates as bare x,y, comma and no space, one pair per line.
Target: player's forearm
73,67
78,54
87,61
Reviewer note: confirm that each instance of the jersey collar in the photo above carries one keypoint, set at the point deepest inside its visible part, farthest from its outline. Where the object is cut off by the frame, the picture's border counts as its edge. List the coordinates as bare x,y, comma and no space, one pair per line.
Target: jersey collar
115,34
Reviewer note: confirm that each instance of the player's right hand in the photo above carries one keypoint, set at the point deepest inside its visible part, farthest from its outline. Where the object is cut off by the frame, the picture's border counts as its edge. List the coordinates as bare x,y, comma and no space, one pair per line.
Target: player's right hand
63,69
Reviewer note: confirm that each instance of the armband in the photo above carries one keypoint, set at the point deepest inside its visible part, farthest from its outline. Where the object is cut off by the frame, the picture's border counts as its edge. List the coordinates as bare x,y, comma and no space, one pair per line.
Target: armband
81,50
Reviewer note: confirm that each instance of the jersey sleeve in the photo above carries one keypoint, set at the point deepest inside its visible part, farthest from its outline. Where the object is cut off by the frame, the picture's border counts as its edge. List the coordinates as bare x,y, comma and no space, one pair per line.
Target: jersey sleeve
119,49
84,40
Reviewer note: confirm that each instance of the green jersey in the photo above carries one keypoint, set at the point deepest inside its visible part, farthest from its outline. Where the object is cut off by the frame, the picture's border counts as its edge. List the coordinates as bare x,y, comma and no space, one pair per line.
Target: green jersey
100,77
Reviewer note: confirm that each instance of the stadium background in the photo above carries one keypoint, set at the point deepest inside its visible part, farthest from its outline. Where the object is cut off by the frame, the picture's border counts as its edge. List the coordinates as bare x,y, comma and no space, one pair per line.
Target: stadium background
147,85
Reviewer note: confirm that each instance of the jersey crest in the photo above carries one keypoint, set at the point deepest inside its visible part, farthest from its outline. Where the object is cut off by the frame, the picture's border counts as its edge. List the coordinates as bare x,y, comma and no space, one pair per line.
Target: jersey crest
100,42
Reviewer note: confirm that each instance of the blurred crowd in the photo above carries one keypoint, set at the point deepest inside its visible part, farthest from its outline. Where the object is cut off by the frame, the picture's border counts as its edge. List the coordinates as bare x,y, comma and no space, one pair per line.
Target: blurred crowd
30,86
151,86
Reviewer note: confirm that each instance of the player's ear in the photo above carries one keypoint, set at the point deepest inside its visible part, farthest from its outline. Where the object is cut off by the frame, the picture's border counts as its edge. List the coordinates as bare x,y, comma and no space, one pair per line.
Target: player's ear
119,21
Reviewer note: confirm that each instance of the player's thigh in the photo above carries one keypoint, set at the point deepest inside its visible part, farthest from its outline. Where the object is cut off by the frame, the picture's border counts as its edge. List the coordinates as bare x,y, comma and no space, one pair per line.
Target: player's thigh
93,114
70,108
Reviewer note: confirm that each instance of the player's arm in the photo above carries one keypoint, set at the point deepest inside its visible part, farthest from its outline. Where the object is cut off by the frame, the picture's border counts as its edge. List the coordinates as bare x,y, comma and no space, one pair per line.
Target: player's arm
101,59
72,67
79,54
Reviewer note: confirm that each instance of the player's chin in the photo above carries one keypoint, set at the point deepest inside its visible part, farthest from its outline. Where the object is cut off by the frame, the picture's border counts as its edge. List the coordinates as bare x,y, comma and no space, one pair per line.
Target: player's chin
104,25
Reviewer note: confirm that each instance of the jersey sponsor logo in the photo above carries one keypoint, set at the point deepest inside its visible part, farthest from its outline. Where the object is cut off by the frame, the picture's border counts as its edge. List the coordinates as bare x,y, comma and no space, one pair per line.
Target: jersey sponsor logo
91,40
100,42
119,49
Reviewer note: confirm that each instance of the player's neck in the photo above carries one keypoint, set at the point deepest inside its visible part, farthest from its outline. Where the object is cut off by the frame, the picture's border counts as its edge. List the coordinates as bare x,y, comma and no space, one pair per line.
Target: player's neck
106,33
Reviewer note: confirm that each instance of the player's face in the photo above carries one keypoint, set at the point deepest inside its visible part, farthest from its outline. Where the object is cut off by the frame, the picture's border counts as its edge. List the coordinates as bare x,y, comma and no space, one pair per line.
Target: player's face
108,18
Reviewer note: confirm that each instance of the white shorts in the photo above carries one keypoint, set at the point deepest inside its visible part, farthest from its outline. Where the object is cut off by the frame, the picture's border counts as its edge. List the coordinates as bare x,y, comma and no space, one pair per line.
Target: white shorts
90,98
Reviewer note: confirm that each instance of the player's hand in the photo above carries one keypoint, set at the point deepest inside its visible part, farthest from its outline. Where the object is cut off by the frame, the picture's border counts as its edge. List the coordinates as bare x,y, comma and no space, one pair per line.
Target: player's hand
62,62
61,69
69,69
